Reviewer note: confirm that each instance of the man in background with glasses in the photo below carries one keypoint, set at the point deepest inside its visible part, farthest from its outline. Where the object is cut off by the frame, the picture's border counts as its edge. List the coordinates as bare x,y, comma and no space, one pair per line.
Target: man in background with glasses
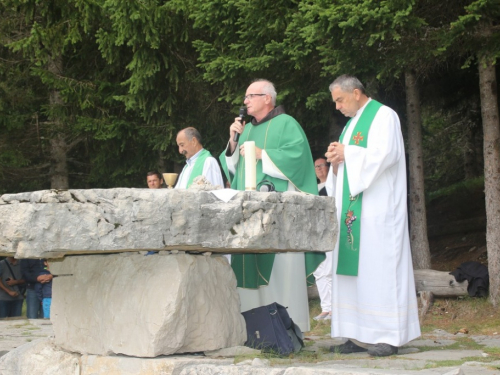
321,167
284,159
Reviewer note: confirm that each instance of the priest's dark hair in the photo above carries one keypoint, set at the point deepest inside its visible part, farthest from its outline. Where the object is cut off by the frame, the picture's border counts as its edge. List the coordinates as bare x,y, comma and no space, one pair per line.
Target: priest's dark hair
155,173
347,83
192,132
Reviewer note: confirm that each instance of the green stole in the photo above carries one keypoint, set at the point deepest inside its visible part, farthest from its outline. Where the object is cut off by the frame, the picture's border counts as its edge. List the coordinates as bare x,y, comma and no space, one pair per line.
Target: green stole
286,144
197,168
350,228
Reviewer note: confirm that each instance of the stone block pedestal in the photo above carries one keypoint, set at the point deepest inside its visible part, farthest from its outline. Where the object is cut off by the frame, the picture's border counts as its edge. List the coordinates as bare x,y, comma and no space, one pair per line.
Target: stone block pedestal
145,306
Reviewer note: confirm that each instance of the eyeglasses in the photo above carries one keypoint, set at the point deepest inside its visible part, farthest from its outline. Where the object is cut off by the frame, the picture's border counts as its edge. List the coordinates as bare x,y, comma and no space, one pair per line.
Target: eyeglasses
250,96
320,165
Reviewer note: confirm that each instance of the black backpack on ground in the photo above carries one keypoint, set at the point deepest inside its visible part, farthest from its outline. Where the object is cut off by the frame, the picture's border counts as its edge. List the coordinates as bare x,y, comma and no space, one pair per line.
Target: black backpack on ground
270,329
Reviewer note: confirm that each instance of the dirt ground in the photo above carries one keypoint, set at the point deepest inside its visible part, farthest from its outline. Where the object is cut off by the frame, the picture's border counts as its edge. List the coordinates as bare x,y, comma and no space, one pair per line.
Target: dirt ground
457,230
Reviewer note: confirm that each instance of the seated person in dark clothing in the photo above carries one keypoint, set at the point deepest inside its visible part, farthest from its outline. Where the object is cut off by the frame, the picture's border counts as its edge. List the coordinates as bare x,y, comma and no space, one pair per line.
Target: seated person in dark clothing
44,292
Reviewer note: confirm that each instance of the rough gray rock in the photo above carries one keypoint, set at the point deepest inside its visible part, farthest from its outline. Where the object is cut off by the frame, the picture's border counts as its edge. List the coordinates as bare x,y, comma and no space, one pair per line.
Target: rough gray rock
39,357
231,352
28,358
230,370
457,371
43,357
145,306
51,223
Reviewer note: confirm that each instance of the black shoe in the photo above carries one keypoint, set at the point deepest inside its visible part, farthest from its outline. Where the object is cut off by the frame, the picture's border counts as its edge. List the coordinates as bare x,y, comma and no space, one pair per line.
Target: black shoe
382,350
347,348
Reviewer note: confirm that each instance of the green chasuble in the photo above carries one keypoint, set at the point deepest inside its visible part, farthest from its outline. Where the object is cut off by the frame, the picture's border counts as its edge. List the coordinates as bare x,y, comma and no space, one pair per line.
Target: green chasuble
286,144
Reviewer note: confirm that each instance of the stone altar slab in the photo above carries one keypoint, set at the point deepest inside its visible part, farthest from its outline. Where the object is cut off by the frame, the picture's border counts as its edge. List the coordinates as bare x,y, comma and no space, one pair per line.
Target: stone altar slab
53,223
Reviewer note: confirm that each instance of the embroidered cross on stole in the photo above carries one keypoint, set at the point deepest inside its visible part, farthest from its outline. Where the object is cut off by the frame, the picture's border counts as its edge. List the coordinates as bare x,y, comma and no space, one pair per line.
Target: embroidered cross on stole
350,226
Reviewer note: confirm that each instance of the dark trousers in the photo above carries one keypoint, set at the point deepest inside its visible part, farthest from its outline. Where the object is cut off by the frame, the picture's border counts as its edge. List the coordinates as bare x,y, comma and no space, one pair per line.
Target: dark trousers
33,305
11,308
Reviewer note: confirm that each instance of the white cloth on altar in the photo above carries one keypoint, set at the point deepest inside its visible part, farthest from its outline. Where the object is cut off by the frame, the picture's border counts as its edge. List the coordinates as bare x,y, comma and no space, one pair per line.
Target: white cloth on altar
211,171
287,285
224,195
379,305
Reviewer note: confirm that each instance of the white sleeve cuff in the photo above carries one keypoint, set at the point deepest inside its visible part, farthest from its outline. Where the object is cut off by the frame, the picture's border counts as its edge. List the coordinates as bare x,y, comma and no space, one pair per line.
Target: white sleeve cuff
269,168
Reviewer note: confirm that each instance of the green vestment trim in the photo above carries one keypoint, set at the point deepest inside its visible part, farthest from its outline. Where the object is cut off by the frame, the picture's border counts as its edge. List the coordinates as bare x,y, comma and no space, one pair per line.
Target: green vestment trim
350,227
197,168
286,145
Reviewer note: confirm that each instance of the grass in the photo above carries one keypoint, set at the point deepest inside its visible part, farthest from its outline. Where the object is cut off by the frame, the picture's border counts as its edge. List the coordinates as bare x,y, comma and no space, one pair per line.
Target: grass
462,343
459,362
318,328
475,315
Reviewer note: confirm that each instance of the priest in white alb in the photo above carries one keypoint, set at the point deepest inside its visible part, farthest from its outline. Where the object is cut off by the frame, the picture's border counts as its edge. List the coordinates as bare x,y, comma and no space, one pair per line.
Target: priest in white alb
199,161
374,302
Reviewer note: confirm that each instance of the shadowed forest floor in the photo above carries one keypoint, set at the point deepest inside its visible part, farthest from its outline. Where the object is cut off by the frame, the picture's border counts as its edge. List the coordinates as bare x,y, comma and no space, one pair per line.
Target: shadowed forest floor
457,229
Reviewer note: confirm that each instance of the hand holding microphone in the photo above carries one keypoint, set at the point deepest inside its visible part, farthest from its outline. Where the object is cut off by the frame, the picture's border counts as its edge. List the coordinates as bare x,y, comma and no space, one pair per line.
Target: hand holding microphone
243,112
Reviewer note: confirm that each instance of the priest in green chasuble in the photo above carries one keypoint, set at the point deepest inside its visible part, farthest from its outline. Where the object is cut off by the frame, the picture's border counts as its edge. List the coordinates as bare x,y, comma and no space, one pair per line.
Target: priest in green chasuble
284,159
373,288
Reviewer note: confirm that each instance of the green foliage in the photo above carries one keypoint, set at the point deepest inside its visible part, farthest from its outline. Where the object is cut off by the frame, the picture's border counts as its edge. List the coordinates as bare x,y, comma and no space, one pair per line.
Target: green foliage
475,30
117,80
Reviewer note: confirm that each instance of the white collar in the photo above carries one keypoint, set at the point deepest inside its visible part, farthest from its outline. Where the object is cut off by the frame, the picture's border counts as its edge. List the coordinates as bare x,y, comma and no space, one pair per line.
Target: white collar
193,158
360,111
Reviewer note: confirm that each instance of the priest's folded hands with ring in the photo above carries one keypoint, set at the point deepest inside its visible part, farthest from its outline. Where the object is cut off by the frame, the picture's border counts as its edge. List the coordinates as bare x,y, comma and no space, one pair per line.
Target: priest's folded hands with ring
335,153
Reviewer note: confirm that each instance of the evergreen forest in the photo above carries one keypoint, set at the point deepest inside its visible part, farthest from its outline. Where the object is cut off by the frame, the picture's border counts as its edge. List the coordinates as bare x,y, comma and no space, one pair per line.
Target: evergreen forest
93,92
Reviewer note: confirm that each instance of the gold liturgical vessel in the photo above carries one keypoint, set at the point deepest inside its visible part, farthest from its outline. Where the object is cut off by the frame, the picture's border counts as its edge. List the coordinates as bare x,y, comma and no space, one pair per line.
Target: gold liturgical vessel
170,179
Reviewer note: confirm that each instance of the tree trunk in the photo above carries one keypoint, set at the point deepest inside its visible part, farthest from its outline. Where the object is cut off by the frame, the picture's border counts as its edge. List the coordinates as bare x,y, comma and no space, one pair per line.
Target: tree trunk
162,166
440,283
58,146
58,163
491,147
418,229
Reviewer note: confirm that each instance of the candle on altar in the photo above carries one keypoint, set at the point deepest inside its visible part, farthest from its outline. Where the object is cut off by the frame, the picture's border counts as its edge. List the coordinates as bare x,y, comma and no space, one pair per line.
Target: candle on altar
250,166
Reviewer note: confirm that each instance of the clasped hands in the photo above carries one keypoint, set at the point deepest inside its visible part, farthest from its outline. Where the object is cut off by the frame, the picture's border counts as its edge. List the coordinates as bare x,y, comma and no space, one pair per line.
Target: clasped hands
44,278
335,153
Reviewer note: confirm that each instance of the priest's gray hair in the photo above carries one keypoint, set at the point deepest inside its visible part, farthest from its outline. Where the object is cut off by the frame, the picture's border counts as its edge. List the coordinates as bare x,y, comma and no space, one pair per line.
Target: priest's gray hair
268,89
191,133
347,83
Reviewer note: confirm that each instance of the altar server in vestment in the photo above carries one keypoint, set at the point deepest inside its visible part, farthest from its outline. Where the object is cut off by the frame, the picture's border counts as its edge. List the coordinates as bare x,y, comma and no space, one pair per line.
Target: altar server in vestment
373,292
198,160
284,159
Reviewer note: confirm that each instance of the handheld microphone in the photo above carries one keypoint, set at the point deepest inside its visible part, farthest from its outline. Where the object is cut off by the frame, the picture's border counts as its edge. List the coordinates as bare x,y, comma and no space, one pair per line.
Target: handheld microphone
266,186
243,112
